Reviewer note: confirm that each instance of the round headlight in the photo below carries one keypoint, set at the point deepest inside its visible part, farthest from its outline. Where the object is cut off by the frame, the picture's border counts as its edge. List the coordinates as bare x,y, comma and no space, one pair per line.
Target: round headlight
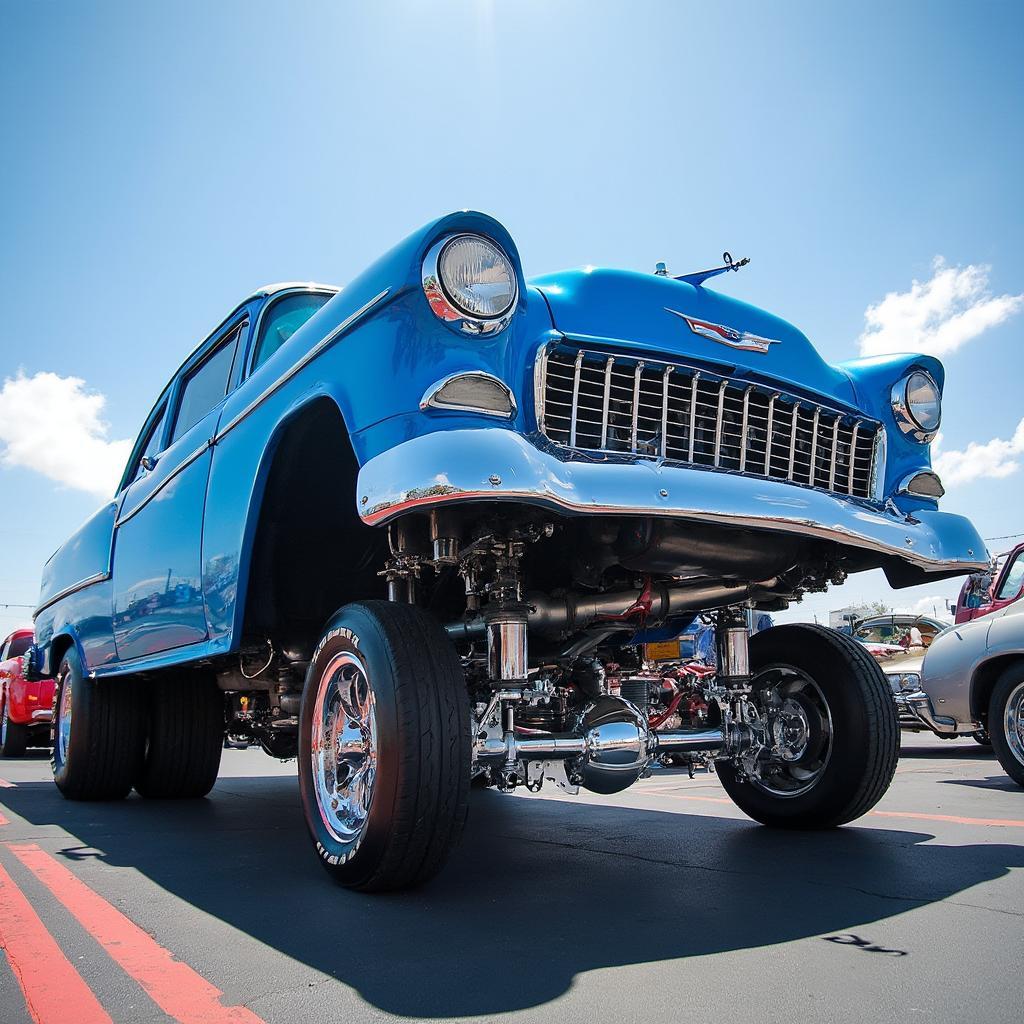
477,276
917,404
923,401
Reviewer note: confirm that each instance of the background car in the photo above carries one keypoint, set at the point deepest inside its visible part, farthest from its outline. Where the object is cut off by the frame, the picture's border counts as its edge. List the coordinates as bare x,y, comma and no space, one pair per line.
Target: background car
25,707
987,592
972,678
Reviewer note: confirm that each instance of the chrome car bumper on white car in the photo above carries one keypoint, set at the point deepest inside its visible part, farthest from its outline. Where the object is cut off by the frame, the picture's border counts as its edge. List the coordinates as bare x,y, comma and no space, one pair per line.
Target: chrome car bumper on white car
497,464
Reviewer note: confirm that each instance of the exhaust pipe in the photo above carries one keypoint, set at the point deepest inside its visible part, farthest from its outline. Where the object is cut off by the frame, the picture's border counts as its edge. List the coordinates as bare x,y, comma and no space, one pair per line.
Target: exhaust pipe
573,612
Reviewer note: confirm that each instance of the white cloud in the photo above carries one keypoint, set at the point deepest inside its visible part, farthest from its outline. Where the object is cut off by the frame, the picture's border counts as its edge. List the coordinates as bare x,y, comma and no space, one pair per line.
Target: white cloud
52,424
938,316
932,605
992,459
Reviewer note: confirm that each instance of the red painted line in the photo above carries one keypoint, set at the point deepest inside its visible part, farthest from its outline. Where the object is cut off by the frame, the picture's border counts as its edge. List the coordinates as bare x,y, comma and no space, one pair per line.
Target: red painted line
3,819
54,991
956,819
178,990
4,784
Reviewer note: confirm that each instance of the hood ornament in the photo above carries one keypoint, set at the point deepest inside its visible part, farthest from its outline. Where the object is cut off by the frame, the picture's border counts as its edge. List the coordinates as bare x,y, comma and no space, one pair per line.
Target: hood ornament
742,340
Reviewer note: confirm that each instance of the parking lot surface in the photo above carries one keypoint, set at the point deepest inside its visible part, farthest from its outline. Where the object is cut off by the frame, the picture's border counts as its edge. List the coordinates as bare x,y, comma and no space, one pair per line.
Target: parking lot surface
662,904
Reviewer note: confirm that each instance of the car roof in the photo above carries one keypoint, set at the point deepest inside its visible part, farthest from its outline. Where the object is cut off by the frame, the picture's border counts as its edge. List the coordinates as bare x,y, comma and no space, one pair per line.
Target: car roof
17,633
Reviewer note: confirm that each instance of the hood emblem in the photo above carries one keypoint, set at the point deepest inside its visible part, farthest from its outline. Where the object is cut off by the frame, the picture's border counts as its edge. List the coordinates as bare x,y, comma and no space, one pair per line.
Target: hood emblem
726,335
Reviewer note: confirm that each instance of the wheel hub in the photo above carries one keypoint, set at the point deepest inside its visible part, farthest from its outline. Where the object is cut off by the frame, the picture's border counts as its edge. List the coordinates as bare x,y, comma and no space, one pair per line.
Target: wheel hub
1013,720
344,746
64,719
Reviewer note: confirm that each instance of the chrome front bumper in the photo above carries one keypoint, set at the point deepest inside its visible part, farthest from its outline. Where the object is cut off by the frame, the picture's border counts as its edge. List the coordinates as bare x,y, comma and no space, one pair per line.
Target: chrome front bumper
915,711
497,464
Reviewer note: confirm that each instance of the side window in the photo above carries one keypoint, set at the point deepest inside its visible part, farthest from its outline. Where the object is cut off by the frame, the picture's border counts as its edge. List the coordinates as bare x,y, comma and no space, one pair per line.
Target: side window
282,320
3,651
1013,580
205,386
151,446
19,645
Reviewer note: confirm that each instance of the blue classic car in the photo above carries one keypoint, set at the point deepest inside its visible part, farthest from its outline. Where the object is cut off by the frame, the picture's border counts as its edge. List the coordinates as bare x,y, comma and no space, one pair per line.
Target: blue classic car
411,532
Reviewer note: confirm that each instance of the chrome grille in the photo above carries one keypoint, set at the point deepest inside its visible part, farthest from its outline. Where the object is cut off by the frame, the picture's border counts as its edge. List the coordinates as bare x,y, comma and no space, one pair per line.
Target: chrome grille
596,402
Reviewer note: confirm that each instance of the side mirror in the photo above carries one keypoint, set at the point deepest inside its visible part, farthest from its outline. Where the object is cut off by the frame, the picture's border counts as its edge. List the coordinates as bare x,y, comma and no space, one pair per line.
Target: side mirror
148,463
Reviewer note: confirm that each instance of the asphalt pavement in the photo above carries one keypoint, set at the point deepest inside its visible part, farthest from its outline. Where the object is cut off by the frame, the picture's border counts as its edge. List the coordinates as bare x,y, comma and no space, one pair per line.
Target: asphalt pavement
663,904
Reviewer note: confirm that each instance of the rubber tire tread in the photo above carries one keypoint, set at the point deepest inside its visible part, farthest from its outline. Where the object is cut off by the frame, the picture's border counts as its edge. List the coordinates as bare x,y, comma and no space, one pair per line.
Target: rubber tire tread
16,742
108,734
186,737
881,739
1005,684
432,793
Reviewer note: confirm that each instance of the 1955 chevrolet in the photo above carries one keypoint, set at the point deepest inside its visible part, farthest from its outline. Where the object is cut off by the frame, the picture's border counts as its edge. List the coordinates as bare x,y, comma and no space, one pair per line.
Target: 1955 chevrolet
417,533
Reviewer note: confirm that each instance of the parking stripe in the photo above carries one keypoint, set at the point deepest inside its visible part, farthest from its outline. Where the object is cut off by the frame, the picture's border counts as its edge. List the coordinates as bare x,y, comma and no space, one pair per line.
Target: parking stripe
956,819
178,990
3,819
54,991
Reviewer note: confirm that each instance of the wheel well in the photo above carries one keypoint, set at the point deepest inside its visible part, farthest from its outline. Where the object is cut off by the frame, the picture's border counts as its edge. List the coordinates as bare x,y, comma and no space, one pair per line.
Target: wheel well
311,551
58,648
985,678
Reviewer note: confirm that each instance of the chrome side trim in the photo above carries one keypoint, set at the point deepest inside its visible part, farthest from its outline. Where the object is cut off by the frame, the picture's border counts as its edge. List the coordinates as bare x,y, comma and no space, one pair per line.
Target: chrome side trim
96,577
299,365
431,401
180,468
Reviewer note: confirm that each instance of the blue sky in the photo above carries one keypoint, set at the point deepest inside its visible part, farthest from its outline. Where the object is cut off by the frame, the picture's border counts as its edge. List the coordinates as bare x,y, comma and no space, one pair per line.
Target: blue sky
161,160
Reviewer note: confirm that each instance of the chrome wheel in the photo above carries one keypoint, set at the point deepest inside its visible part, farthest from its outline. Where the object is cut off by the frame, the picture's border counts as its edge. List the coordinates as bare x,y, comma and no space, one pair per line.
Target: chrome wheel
798,723
343,747
1013,722
64,719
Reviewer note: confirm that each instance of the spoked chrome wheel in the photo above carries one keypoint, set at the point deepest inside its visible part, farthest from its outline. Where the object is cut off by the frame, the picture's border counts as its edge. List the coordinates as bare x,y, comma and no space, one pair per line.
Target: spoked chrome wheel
1013,722
799,724
343,747
63,728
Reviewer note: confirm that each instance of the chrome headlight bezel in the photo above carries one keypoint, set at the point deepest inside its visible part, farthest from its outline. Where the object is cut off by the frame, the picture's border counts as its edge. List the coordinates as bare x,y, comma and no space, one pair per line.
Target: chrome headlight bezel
445,305
903,412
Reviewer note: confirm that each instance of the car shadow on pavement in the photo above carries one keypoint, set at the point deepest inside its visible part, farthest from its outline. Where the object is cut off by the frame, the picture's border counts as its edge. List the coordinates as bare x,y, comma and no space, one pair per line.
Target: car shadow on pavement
962,750
538,892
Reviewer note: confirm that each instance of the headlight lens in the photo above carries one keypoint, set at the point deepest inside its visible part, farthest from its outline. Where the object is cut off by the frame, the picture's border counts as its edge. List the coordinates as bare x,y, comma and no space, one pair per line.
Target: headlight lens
477,276
923,401
904,681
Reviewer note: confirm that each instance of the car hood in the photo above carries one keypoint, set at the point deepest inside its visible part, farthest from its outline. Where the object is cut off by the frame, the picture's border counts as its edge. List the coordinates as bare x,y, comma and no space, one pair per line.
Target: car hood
646,313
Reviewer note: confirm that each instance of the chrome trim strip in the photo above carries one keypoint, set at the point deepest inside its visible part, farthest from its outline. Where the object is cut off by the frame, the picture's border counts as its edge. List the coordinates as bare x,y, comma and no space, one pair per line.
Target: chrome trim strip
607,398
744,429
835,455
636,404
431,401
814,446
903,487
792,438
299,365
693,410
853,457
718,421
575,397
664,411
769,443
96,577
180,468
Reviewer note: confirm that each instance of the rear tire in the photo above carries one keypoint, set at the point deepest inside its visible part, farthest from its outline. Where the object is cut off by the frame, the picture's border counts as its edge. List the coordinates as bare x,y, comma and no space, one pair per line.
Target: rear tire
186,736
13,736
1006,722
99,731
857,740
384,746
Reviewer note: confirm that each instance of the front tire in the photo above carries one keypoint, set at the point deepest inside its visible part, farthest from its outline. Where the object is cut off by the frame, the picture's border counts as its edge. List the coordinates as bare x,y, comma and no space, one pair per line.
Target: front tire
1006,722
99,732
13,735
384,746
840,708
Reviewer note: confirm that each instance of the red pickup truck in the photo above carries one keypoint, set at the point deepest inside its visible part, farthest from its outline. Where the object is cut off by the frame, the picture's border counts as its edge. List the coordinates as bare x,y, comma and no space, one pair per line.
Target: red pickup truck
986,592
25,708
